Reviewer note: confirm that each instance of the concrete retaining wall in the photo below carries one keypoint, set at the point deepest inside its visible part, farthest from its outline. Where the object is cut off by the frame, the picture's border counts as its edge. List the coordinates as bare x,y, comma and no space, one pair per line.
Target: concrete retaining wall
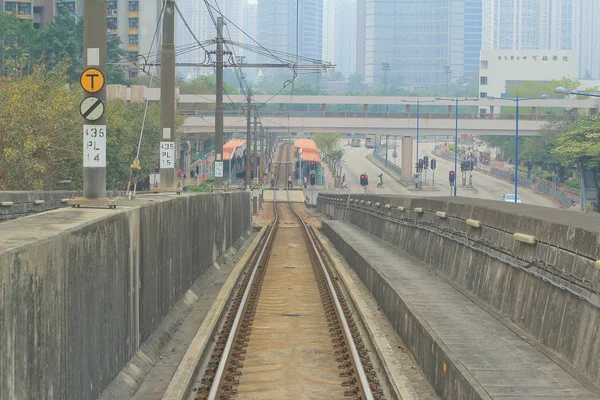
422,341
549,289
81,289
24,203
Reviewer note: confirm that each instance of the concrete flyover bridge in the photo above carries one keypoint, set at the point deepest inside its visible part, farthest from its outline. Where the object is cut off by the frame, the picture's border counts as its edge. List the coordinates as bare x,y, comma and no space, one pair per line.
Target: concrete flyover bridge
401,124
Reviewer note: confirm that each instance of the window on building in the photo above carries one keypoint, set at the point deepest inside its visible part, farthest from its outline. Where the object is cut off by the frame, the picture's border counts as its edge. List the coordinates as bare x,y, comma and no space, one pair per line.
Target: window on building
482,95
111,36
111,8
483,80
133,39
134,6
24,8
133,55
10,6
484,64
133,74
111,24
69,5
133,23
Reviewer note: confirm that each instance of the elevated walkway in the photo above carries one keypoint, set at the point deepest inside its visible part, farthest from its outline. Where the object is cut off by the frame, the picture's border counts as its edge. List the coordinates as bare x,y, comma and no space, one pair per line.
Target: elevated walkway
466,351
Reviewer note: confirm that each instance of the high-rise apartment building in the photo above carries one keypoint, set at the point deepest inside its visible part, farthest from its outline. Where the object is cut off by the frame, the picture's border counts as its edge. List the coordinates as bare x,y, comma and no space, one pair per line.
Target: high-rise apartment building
277,24
38,11
250,26
422,40
192,10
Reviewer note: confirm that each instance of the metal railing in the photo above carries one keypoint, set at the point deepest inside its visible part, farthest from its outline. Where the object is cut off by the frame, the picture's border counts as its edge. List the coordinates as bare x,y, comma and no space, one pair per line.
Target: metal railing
358,114
551,190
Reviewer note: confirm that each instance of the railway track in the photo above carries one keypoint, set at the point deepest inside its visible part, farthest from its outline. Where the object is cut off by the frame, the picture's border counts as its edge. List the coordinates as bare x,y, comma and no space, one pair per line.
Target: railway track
285,156
289,332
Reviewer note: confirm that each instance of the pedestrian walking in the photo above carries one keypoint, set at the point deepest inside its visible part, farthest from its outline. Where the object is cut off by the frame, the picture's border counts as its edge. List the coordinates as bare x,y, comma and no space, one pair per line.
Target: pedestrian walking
290,185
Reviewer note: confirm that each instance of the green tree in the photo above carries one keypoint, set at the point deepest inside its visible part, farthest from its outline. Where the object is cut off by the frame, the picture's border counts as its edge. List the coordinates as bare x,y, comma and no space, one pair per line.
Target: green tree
580,144
40,130
124,122
329,144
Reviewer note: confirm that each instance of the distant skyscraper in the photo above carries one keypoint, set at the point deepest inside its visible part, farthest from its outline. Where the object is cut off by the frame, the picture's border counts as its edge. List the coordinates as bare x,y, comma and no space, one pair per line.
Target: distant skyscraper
345,36
339,35
419,38
202,21
586,38
250,26
192,10
277,26
329,27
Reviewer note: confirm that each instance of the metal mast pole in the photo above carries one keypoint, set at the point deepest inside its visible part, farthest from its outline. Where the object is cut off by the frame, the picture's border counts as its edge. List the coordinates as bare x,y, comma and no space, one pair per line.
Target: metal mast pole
94,44
456,147
255,149
219,101
167,98
248,128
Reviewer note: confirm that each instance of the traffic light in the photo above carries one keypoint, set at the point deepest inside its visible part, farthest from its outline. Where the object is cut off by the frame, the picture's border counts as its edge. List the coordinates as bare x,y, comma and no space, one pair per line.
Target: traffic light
364,180
451,178
420,164
433,163
156,169
426,162
197,170
417,165
313,179
312,165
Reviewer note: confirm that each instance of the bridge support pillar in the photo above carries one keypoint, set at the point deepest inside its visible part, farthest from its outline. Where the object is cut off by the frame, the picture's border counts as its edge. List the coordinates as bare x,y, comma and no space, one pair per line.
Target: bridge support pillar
324,108
366,109
407,158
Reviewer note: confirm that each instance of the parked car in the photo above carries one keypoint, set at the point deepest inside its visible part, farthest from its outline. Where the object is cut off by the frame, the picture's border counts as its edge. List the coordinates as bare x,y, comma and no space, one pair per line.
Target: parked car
510,198
355,143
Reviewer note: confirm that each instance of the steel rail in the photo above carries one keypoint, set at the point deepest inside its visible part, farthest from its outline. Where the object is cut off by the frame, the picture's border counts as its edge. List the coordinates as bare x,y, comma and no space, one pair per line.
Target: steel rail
364,382
216,385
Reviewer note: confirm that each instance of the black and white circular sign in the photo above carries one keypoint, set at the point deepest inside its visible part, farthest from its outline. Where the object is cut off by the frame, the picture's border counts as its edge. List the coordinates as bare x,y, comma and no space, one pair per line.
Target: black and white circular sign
92,108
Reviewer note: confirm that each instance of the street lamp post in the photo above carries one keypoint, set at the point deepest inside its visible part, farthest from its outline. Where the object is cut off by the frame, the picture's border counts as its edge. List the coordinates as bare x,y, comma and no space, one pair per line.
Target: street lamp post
582,200
517,100
418,102
456,100
385,67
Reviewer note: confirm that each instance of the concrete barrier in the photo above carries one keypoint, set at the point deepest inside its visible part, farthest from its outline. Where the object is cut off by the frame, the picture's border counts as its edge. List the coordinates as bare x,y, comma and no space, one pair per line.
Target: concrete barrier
82,289
32,202
550,289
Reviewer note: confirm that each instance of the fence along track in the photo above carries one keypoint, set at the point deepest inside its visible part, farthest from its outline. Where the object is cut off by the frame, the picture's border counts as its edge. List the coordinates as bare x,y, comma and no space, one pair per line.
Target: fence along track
250,366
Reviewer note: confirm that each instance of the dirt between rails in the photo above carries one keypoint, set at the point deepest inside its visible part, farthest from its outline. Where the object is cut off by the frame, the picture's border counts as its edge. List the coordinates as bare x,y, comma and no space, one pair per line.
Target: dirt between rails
266,215
290,354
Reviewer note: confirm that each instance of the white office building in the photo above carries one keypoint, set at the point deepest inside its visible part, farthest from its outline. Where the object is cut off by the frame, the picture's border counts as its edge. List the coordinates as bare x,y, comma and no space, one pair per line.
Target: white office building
502,69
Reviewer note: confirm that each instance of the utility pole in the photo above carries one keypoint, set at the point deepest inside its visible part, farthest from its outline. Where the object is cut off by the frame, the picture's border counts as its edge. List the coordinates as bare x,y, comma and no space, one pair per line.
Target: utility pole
255,149
262,153
448,71
248,123
167,99
219,107
93,83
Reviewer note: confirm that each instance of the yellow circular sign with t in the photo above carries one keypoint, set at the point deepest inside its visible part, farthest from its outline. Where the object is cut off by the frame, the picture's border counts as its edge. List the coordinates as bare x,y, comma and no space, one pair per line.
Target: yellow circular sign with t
92,80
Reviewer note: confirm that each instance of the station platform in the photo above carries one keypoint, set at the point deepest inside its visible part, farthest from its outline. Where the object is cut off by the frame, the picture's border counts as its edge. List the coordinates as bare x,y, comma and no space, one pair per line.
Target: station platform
283,196
465,350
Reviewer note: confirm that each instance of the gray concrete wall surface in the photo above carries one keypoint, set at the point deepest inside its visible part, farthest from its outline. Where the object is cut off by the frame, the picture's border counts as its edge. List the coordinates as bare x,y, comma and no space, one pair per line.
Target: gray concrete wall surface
549,289
82,289
24,202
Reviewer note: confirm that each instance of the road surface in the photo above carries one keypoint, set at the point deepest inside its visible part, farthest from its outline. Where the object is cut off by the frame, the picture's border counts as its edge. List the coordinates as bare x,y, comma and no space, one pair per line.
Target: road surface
485,186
